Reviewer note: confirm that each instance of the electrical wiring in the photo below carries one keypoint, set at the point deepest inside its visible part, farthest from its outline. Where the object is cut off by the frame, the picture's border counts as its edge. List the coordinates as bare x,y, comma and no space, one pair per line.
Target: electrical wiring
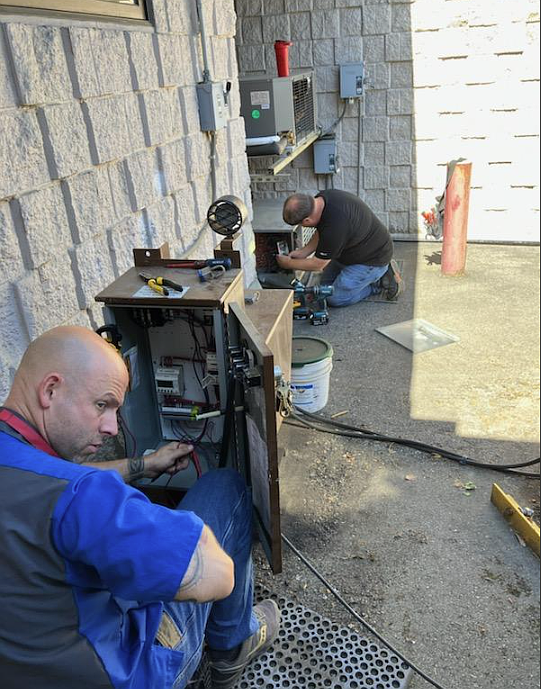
183,435
355,614
198,354
335,124
329,426
210,437
197,464
198,360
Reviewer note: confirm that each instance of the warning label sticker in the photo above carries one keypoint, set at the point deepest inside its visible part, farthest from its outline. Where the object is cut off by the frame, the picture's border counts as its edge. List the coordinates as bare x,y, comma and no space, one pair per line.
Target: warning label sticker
261,98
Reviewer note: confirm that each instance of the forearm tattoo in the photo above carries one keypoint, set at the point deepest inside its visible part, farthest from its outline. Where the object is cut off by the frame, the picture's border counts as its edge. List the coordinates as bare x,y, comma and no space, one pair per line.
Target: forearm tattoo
136,468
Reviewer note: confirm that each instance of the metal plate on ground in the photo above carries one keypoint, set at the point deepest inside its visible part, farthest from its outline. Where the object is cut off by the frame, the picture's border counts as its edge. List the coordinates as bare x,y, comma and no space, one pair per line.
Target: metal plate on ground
314,653
418,335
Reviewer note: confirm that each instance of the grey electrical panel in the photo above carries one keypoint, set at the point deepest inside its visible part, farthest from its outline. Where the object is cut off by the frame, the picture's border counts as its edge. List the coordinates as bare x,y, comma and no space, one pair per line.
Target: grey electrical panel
201,373
213,105
352,80
325,156
274,106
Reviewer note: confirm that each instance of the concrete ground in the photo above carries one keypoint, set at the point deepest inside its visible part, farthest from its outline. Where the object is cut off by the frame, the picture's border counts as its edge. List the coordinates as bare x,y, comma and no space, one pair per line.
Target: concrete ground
432,566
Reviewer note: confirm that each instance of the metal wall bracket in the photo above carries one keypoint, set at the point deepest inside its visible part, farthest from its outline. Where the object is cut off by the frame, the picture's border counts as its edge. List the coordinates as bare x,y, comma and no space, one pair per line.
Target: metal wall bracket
289,156
269,179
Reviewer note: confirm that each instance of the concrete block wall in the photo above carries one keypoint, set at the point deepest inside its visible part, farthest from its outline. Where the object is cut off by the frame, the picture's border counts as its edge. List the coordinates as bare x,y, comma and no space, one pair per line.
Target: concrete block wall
445,79
100,152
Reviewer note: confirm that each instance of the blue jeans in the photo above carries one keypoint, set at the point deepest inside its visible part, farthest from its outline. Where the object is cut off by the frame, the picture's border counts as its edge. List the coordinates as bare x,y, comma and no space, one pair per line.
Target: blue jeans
352,284
224,503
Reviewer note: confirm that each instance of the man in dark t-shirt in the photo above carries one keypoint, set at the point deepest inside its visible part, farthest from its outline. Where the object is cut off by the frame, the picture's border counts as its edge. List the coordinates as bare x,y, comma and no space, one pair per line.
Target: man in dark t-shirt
352,247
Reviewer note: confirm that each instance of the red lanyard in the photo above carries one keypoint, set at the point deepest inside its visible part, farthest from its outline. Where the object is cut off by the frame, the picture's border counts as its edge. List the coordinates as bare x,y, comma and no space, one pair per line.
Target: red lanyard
26,431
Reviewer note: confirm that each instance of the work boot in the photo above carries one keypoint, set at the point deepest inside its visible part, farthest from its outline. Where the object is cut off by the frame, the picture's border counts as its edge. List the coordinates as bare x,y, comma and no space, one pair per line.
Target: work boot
225,673
392,283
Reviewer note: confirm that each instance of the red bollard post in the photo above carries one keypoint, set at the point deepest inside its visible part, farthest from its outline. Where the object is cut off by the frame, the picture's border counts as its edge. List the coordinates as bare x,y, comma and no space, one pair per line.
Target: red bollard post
455,227
282,57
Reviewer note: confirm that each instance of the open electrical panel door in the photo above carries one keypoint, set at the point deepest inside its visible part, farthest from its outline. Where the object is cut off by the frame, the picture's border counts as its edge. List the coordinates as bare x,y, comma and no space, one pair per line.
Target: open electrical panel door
202,373
257,373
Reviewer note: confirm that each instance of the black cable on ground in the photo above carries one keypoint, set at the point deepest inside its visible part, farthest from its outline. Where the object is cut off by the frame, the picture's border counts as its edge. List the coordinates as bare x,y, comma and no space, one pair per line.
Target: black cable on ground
355,614
332,427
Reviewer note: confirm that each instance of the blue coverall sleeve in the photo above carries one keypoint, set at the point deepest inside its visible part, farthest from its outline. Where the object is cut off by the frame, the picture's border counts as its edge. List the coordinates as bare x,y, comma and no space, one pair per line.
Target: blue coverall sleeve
113,537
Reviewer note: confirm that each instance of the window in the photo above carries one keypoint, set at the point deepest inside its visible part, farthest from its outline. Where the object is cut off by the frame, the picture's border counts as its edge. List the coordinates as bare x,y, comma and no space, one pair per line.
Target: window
128,9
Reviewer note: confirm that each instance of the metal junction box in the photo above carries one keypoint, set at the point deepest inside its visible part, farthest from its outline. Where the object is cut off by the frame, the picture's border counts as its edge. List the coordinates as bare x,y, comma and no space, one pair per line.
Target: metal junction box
213,107
202,372
325,156
274,106
352,80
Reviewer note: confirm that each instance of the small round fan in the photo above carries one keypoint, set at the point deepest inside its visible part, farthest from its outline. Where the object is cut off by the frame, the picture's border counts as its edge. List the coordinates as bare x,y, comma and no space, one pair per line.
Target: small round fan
227,215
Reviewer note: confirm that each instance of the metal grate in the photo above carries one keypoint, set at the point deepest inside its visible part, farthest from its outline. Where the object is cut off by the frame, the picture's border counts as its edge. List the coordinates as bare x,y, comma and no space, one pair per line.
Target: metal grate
306,234
313,653
304,107
227,215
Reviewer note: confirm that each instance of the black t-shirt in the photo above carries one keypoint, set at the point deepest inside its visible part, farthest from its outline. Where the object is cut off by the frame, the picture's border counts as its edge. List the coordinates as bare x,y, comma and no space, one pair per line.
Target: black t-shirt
350,232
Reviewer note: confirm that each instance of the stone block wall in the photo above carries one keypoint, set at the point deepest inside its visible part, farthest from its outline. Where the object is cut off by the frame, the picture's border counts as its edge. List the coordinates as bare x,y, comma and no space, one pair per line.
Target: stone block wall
445,79
100,152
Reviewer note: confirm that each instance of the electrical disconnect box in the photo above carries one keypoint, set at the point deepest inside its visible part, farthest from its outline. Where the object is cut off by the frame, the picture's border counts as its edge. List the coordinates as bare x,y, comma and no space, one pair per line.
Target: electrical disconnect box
202,373
352,81
325,156
213,98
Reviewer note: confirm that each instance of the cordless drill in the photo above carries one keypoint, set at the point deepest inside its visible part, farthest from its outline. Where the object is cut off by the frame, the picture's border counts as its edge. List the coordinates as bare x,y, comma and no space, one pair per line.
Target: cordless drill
311,303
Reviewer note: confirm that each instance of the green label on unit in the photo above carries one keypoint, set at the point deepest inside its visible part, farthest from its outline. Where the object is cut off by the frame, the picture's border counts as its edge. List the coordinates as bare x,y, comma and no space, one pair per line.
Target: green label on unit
256,114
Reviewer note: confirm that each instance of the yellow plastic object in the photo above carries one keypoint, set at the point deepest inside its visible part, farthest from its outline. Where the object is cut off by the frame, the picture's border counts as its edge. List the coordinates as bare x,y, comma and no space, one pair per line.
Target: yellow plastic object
525,527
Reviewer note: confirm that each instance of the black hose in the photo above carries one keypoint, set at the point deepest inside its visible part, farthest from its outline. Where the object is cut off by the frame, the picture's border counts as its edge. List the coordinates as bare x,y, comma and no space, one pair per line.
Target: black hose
332,427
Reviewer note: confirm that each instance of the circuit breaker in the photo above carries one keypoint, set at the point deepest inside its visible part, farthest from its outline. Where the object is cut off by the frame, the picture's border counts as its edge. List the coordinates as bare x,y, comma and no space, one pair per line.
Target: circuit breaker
325,156
202,373
352,80
213,98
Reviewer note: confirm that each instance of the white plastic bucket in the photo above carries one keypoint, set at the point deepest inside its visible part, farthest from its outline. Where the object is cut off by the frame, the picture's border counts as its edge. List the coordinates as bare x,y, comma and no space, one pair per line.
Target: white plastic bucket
311,373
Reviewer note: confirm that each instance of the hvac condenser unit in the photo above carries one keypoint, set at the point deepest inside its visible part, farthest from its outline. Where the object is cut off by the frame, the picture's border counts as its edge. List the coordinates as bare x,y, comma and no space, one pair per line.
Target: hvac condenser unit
279,106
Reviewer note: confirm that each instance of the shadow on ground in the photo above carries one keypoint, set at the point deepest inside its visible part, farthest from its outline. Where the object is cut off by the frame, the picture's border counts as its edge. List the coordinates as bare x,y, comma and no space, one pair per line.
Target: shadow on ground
433,566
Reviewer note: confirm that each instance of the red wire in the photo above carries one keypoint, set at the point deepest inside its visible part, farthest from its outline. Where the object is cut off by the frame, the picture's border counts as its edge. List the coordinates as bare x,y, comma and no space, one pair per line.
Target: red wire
197,464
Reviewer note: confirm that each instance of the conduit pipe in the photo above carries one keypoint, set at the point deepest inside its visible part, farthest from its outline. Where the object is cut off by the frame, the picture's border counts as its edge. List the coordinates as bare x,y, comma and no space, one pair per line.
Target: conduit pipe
204,42
213,146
